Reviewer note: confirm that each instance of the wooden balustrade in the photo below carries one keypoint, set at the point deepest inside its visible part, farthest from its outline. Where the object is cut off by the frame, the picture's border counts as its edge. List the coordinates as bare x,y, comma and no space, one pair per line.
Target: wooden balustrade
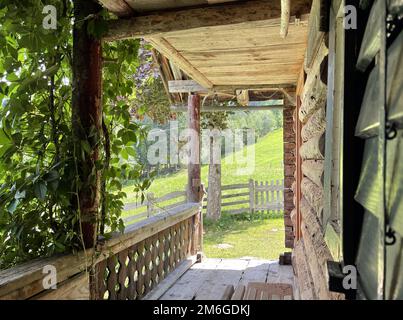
132,272
127,266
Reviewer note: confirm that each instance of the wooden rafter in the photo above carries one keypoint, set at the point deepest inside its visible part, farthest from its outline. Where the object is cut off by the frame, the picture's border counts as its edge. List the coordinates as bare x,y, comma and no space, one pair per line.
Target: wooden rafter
118,7
168,50
227,14
285,17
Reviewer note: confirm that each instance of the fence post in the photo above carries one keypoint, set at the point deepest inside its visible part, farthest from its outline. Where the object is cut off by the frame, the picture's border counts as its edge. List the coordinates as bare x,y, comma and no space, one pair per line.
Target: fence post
150,204
251,196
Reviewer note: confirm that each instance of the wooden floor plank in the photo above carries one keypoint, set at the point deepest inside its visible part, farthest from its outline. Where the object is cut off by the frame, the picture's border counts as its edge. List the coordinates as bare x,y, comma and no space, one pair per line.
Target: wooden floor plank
256,271
228,272
210,279
187,286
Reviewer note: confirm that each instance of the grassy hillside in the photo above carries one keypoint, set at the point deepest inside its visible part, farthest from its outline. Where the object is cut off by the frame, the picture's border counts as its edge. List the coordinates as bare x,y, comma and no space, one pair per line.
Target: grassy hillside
268,166
261,236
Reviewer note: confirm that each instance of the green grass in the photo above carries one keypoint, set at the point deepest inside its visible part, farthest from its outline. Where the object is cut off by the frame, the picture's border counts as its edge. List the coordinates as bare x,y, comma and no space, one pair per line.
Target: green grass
268,166
261,237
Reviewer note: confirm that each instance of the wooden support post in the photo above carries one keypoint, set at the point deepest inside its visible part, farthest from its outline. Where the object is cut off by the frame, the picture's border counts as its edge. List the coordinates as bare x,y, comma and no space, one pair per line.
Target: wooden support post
150,204
251,196
194,190
87,117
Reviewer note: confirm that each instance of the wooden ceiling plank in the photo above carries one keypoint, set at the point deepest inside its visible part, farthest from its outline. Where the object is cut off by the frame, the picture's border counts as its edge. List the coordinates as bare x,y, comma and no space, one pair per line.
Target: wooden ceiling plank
244,28
250,82
290,87
233,13
168,50
263,52
253,68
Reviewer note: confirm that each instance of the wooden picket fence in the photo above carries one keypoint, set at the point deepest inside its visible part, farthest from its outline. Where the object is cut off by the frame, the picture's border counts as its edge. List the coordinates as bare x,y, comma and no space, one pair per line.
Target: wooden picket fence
252,197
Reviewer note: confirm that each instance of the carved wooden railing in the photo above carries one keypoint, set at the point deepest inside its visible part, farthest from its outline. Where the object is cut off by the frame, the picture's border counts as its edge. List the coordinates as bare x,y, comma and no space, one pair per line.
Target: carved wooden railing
127,266
140,265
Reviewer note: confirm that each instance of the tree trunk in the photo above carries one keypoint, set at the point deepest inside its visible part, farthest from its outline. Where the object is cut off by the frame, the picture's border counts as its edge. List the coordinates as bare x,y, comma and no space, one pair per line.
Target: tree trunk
87,119
214,180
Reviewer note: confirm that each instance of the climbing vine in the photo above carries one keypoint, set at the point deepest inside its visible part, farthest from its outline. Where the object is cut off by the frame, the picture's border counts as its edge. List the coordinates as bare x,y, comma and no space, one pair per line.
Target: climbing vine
38,160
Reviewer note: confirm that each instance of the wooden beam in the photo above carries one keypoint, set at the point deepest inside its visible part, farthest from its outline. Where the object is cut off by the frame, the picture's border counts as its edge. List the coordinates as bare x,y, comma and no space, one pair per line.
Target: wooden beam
185,86
118,7
236,13
242,97
285,17
167,49
184,108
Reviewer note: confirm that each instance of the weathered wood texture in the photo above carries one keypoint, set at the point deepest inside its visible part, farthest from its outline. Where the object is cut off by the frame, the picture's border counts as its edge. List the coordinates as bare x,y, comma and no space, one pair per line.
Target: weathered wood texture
317,251
118,7
285,17
26,281
314,92
315,125
166,283
313,194
185,86
236,44
134,271
75,288
256,196
313,169
152,206
313,149
166,22
302,271
210,279
265,291
87,118
315,37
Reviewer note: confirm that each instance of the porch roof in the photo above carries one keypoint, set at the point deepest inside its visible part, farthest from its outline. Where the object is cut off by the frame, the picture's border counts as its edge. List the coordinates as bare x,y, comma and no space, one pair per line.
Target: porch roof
223,45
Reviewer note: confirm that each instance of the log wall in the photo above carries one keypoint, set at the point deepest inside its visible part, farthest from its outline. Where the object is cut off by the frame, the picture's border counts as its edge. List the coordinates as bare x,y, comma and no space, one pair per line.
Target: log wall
311,253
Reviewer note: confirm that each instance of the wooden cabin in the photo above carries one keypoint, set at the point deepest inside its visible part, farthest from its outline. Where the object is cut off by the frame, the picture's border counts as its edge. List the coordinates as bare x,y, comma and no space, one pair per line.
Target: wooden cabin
336,67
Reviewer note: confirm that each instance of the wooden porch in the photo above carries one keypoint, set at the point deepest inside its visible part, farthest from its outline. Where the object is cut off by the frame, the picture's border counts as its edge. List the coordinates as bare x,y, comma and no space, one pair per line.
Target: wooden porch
210,279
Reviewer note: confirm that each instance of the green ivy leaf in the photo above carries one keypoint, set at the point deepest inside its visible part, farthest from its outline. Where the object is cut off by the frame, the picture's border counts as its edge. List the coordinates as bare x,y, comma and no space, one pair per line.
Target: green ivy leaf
20,195
40,190
13,205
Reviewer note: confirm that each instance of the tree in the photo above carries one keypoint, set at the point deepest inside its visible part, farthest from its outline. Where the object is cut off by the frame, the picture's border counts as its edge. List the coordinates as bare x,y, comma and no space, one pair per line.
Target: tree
42,148
214,122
